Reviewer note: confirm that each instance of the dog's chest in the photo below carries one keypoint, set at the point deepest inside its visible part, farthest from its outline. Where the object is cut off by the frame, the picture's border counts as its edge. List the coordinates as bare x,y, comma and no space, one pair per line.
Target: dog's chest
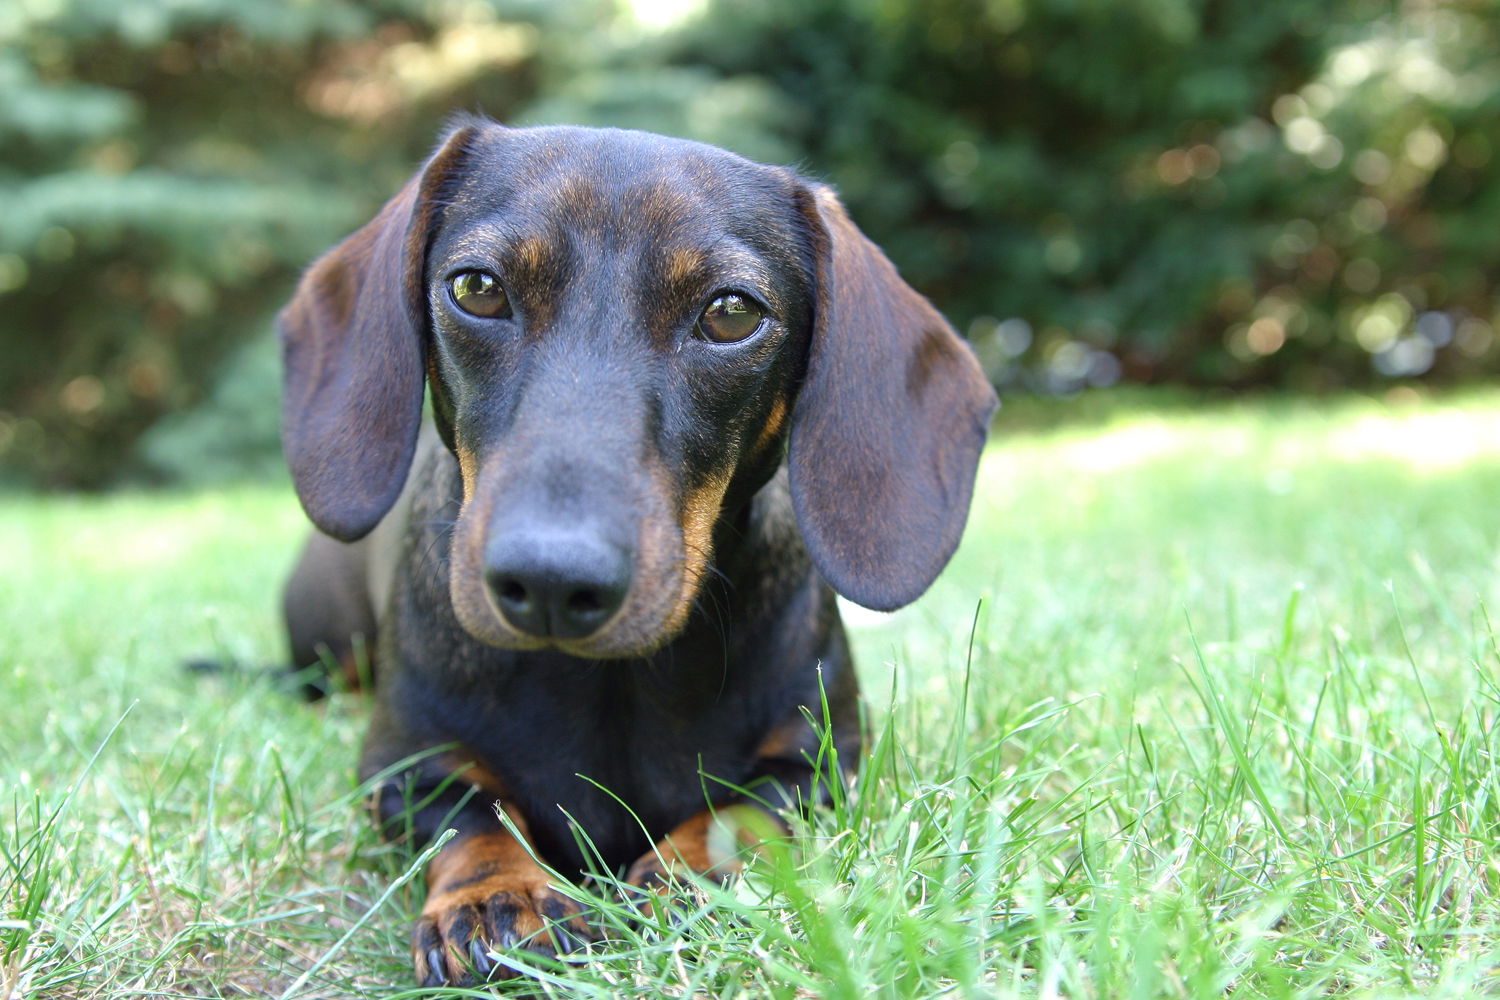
602,753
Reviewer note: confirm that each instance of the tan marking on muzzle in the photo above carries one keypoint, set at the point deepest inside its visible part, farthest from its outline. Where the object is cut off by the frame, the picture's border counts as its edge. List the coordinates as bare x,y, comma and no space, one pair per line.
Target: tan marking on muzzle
467,469
700,512
775,421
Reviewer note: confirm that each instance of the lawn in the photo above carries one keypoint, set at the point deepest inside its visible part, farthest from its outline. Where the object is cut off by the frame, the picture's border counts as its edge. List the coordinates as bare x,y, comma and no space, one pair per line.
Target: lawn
1206,706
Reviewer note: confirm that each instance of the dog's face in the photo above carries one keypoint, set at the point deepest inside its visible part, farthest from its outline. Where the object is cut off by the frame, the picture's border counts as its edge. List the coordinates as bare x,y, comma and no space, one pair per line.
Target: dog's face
620,331
617,321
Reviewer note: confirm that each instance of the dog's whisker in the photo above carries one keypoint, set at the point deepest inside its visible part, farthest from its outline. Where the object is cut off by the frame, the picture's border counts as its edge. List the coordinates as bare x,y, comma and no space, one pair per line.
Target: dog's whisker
444,534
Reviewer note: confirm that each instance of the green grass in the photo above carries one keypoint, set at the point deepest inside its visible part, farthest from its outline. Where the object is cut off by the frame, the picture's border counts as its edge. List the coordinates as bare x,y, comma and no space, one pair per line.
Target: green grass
1226,726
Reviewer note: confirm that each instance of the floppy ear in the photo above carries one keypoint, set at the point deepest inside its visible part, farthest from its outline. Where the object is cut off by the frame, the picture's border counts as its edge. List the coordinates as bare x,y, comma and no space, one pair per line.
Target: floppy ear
352,342
888,426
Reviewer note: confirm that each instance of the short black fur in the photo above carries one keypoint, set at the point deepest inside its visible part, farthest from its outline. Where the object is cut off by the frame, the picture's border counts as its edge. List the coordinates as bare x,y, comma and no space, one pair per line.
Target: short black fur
591,605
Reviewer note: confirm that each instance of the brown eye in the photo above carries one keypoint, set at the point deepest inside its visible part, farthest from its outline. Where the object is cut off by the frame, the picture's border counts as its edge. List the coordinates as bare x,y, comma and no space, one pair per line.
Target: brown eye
479,293
729,318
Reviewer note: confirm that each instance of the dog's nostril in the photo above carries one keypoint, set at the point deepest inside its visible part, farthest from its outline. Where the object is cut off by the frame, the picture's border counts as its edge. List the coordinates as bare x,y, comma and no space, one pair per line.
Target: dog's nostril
512,592
585,602
518,602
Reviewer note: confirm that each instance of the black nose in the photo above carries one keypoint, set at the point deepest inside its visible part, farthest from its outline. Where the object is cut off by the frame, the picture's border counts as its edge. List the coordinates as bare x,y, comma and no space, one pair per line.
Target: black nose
562,584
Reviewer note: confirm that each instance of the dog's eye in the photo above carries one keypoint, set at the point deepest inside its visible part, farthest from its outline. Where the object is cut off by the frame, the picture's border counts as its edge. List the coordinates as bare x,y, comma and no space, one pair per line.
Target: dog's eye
479,293
729,318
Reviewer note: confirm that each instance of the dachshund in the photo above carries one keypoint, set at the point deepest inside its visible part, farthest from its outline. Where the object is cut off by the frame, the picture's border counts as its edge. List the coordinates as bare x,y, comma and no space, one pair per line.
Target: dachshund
593,424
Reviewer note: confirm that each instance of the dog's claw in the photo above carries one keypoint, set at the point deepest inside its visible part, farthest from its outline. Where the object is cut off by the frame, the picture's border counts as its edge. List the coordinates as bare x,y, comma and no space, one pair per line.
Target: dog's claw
437,968
501,922
558,914
479,955
567,944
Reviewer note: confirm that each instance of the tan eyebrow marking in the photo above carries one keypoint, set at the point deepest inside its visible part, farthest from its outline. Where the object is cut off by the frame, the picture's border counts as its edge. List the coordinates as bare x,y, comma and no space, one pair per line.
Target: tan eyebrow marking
683,263
531,254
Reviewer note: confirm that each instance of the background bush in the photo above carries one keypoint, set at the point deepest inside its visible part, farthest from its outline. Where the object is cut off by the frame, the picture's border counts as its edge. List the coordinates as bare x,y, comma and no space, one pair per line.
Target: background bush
1223,193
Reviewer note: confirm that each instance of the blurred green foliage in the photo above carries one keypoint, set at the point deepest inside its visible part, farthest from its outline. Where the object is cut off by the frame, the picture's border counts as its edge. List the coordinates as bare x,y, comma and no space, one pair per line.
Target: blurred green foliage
1225,193
166,169
1210,192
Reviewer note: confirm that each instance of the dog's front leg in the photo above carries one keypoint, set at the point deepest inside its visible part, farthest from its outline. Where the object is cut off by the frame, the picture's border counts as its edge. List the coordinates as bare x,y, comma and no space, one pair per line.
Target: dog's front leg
486,894
713,843
788,773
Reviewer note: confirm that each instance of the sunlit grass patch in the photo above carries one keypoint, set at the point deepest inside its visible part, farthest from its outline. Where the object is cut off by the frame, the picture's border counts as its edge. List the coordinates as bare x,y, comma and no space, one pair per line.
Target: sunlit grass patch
1206,706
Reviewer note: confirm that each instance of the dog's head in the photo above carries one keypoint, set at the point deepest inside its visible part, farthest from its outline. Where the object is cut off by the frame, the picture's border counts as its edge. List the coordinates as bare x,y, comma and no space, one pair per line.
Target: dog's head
621,331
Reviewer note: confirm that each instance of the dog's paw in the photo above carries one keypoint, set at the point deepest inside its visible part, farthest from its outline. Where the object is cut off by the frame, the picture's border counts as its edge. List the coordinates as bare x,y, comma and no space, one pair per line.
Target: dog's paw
464,931
670,887
712,846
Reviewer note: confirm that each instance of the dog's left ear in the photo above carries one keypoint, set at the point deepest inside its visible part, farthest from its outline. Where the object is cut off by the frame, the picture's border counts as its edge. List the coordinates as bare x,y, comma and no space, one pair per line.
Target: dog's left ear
352,343
888,426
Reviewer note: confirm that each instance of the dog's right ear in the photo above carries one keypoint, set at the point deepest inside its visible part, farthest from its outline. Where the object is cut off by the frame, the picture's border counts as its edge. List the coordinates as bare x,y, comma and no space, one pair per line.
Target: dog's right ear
352,343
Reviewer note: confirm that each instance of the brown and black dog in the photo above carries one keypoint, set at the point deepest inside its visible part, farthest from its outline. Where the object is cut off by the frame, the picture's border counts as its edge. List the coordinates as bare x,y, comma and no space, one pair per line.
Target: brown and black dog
677,401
